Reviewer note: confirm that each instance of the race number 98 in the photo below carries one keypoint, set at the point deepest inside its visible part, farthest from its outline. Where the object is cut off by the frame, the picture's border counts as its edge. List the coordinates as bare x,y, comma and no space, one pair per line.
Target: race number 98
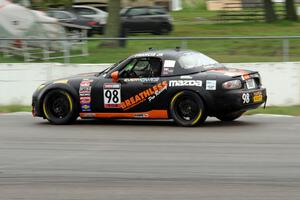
246,98
112,95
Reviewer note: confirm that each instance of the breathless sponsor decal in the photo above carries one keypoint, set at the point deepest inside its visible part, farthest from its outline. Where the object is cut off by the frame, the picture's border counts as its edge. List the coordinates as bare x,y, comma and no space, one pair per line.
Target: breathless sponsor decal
144,95
157,93
178,83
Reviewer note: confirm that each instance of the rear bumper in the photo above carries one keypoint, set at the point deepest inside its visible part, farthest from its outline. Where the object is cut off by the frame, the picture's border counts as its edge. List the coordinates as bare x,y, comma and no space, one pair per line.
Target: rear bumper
240,100
97,29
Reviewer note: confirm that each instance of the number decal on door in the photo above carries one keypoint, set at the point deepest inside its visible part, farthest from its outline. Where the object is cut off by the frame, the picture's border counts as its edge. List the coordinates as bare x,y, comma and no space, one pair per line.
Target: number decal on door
112,95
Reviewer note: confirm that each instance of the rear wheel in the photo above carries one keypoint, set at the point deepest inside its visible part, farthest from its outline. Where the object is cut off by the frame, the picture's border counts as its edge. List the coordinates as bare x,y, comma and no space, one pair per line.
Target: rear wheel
187,109
59,108
230,116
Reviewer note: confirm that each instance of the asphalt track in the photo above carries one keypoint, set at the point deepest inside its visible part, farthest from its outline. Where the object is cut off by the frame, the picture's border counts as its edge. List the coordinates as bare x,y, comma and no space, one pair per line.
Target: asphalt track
256,157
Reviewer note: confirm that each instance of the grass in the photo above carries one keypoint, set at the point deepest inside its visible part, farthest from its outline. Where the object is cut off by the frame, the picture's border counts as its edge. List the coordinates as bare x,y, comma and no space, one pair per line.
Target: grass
15,108
288,110
194,20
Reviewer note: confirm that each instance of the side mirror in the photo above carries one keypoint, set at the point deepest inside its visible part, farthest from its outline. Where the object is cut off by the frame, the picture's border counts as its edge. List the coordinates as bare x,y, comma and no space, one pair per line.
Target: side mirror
115,76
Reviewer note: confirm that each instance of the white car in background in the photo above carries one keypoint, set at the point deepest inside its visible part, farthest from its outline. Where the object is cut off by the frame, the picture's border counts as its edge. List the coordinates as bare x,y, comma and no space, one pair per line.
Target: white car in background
91,12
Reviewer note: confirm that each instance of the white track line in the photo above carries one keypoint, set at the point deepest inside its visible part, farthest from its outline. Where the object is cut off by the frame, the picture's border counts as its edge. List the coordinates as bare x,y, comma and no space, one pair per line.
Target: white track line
16,114
272,115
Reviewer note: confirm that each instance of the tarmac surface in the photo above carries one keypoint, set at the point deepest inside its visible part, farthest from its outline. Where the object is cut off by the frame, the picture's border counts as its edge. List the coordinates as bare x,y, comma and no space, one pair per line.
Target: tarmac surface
256,157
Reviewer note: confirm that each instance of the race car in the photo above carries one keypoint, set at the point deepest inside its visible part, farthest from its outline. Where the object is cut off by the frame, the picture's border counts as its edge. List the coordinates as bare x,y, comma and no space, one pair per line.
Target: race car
183,85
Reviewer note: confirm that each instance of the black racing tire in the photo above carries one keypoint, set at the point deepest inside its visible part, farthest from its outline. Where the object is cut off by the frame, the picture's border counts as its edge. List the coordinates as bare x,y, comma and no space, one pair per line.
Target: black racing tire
230,116
59,107
187,109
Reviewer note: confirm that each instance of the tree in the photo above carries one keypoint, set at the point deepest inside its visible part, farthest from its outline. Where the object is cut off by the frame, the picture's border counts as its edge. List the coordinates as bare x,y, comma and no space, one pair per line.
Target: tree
290,10
113,23
44,4
270,15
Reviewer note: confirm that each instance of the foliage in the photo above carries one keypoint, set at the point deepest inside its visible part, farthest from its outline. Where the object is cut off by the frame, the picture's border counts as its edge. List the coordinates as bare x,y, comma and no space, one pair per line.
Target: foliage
44,4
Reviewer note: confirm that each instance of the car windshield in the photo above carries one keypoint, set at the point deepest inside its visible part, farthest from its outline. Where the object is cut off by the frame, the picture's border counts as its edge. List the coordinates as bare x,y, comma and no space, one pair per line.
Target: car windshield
123,11
104,72
194,61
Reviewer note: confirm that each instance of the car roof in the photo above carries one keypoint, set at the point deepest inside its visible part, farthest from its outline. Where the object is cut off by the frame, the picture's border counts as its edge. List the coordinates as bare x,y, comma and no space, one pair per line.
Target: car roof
82,6
145,7
165,53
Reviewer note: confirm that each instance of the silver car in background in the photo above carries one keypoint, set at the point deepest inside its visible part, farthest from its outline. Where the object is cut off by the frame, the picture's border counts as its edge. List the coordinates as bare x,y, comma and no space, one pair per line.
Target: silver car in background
91,12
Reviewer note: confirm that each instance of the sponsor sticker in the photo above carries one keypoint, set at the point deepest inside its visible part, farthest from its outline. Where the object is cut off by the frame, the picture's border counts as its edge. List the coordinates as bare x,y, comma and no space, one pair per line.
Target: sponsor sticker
143,80
86,107
168,70
85,100
186,77
112,95
85,83
178,83
88,115
157,93
250,83
169,63
149,93
141,115
211,84
85,95
257,97
85,90
168,67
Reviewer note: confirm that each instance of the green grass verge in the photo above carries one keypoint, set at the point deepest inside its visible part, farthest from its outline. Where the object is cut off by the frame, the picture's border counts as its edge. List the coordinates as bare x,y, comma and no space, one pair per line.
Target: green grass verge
15,108
289,110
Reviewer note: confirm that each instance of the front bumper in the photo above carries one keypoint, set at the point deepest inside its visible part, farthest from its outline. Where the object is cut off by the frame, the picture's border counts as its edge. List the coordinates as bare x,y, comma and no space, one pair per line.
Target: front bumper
240,100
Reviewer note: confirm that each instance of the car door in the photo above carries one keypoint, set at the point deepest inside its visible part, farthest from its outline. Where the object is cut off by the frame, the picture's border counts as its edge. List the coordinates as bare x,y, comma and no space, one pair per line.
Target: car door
138,88
64,17
86,12
135,20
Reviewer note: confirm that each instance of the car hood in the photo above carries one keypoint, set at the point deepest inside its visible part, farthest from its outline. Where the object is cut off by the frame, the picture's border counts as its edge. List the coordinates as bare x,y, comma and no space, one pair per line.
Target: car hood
231,72
77,77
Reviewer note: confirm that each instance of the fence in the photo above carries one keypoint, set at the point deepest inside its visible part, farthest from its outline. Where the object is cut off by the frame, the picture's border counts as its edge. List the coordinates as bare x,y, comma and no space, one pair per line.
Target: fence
249,41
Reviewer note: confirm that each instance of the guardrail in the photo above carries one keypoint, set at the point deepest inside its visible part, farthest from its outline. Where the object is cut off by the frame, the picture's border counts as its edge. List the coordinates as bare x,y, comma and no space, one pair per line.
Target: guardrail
285,41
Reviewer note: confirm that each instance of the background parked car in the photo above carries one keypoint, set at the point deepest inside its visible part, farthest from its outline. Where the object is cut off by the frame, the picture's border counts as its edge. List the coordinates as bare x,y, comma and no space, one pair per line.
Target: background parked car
146,19
91,12
72,18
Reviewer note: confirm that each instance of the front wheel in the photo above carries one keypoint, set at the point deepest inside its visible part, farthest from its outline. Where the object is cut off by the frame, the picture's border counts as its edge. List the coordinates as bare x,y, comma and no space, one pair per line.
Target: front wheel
230,116
187,109
59,108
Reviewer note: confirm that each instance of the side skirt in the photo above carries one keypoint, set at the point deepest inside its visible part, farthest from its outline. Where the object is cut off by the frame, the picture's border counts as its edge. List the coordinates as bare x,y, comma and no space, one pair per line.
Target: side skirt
153,114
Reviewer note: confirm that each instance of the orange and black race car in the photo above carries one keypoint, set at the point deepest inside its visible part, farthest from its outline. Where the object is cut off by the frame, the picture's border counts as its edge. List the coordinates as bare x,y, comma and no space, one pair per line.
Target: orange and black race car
183,85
